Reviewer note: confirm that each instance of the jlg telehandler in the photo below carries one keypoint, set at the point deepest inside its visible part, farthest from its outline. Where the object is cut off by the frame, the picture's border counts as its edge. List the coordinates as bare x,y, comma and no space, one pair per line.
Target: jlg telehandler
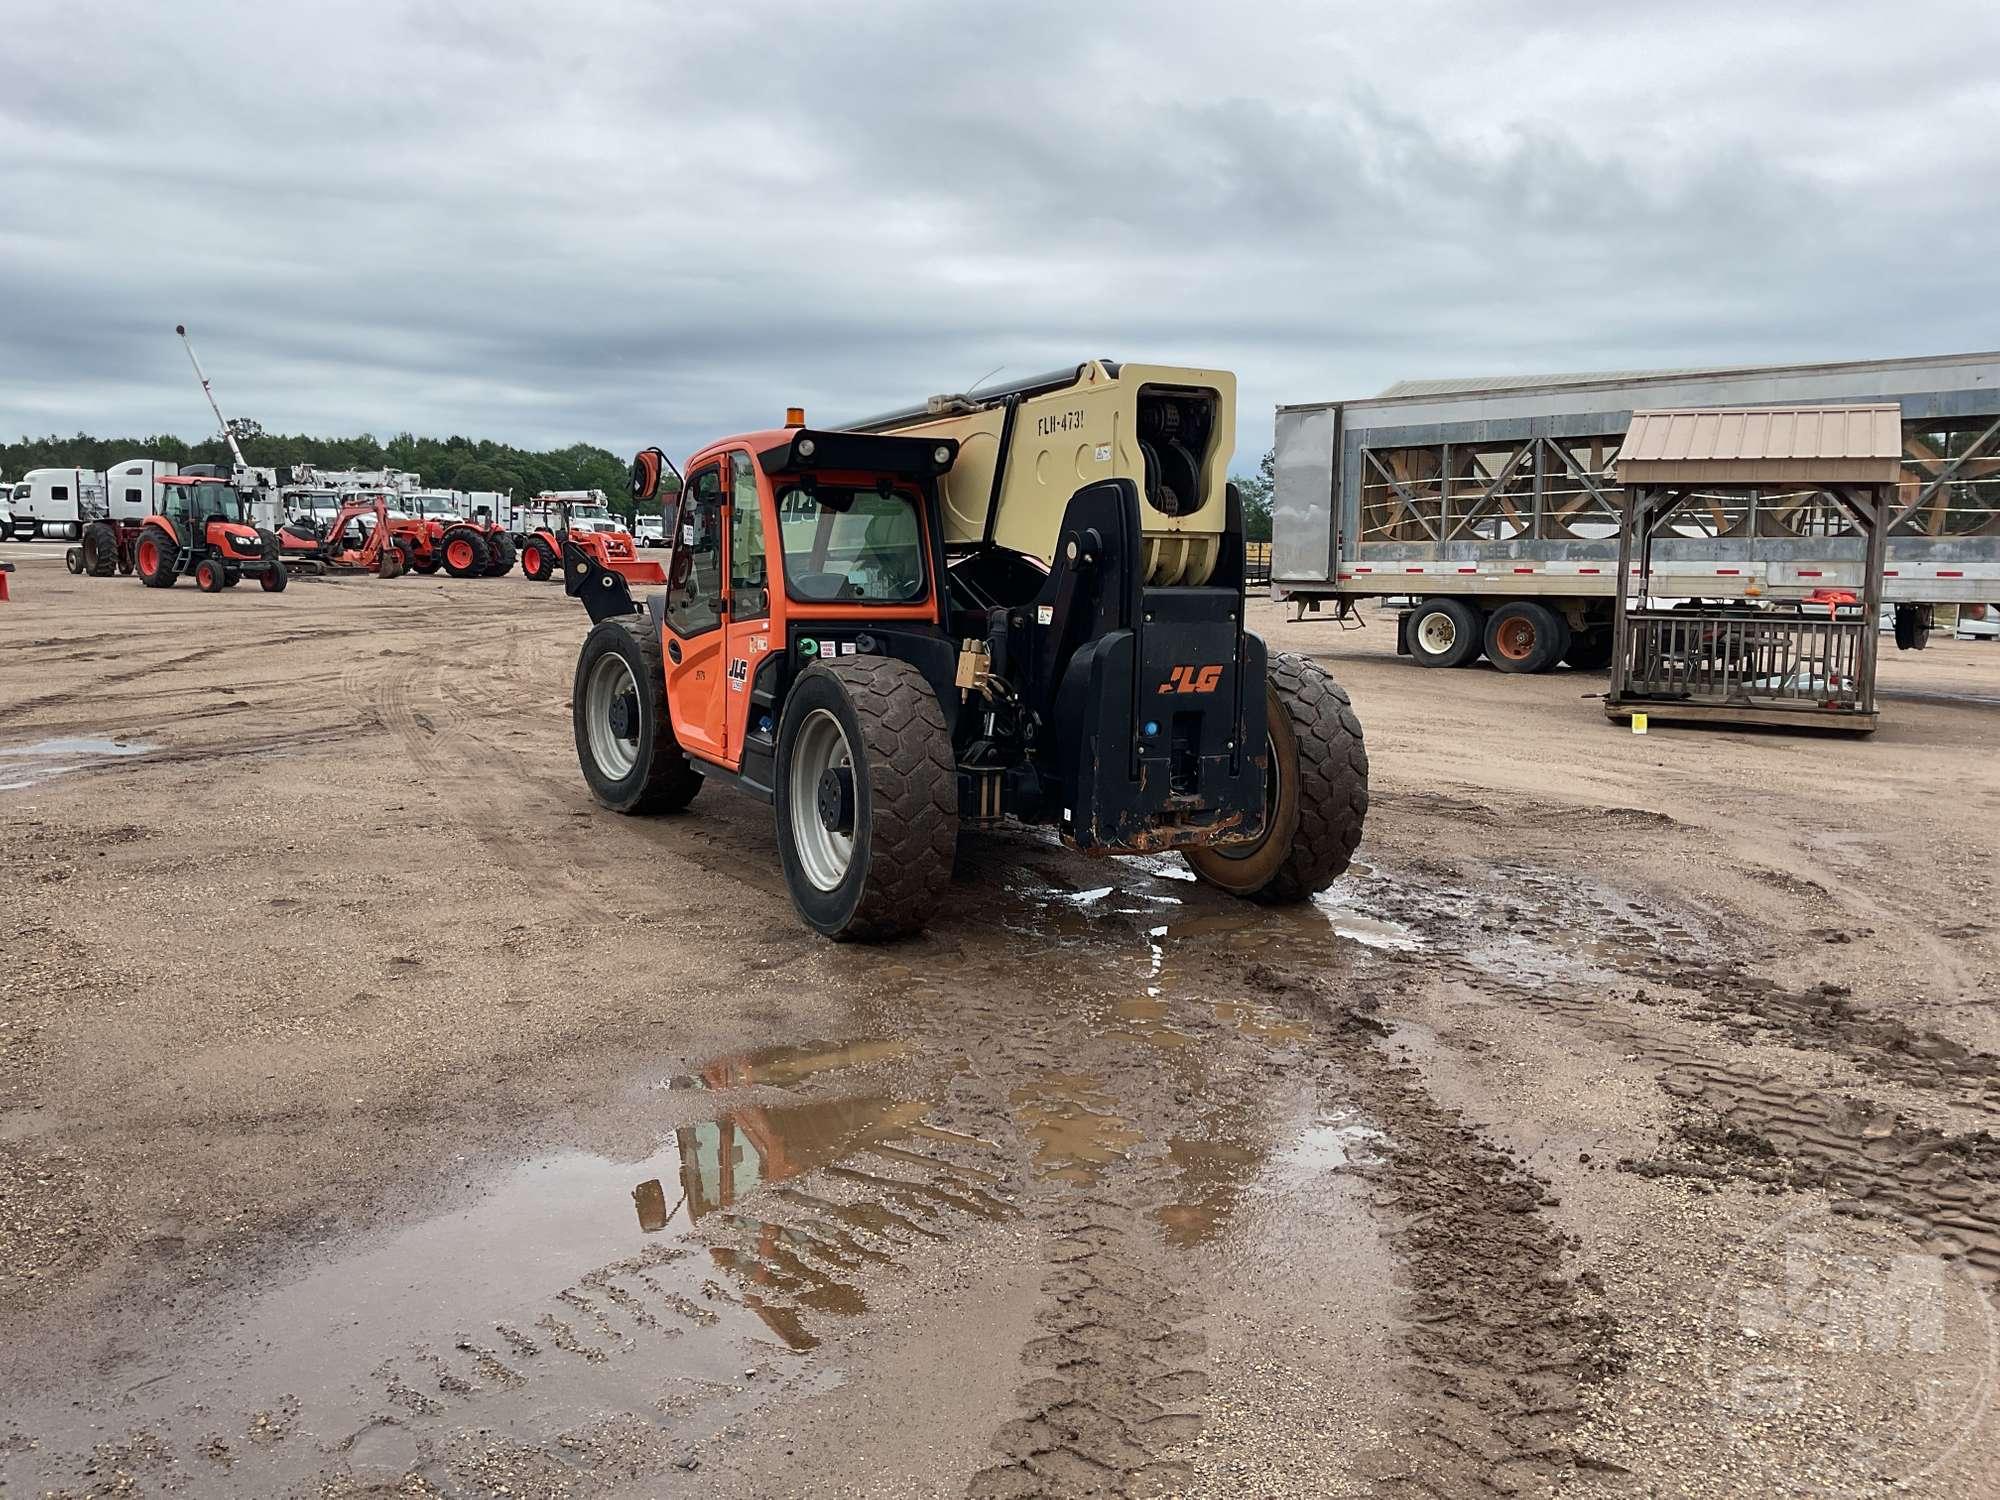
1024,603
203,528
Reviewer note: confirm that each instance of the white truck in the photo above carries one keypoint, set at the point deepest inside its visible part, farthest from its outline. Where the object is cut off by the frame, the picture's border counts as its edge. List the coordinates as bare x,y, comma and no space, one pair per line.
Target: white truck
55,504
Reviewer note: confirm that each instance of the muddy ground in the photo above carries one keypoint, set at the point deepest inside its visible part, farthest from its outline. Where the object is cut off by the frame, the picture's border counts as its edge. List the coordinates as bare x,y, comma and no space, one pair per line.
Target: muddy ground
379,1117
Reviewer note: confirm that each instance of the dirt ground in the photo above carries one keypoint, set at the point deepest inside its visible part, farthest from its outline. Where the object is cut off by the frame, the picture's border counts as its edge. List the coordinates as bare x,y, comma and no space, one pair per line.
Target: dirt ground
377,1116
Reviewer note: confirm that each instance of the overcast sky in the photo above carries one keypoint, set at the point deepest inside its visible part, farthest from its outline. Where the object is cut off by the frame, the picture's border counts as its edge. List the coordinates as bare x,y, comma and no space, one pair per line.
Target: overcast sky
622,222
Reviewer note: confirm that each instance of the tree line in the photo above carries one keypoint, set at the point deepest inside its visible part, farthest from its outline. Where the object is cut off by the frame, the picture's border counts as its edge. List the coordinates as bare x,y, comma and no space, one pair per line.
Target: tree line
453,463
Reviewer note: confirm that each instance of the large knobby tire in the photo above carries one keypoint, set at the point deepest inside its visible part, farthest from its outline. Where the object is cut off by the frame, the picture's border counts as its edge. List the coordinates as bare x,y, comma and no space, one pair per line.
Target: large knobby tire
465,554
500,547
1317,789
618,711
538,560
1444,633
1526,637
153,558
867,798
100,549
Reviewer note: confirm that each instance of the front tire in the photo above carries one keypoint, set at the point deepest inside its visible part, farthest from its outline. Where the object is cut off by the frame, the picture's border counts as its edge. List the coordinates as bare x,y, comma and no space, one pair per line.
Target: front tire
624,734
209,576
867,798
1317,791
274,578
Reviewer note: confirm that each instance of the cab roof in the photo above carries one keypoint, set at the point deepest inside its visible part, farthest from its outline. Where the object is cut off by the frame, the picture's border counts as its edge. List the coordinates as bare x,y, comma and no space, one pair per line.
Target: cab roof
802,450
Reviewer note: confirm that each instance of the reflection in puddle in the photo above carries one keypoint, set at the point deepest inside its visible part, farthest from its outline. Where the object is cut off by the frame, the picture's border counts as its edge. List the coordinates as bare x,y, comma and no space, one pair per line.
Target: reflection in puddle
1372,932
1260,1022
1213,1174
1072,1126
1329,1145
24,766
780,1067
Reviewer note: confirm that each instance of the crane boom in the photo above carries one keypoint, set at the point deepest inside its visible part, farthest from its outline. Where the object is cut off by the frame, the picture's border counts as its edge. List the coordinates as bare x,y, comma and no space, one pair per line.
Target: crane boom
228,436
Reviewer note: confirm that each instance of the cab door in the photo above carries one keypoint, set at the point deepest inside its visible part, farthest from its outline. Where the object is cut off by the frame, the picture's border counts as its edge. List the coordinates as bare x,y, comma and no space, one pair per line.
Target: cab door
749,625
696,608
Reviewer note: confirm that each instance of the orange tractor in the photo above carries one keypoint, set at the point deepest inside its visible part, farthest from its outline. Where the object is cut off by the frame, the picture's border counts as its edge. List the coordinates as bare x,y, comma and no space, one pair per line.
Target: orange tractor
557,523
203,529
437,538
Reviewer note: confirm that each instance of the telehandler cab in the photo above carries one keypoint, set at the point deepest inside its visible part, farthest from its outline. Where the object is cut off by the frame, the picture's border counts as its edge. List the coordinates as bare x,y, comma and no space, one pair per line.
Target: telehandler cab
1022,603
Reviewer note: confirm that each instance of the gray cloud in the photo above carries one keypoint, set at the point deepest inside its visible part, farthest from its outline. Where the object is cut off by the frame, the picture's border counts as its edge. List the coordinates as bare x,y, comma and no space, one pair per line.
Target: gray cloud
627,222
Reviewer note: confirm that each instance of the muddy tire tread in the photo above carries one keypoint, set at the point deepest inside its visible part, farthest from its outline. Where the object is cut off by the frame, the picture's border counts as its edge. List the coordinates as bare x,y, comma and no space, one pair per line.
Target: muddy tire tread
913,782
1333,778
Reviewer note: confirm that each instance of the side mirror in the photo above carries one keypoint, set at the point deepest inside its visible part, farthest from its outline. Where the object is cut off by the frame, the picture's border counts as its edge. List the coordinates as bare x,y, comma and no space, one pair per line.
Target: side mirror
647,469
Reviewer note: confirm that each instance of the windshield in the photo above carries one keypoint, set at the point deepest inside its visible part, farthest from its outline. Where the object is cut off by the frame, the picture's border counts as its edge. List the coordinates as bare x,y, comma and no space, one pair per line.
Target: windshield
217,502
589,513
851,544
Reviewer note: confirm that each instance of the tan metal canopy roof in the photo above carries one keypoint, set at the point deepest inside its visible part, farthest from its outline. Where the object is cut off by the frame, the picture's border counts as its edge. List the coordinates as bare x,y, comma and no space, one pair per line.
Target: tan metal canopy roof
1764,444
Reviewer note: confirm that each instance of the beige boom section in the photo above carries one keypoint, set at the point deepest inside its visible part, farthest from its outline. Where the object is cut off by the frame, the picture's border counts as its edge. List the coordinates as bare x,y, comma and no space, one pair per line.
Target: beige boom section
1167,428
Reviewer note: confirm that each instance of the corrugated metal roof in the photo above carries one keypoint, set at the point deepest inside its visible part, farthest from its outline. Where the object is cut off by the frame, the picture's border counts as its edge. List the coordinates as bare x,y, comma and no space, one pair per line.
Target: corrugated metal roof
1750,444
1874,431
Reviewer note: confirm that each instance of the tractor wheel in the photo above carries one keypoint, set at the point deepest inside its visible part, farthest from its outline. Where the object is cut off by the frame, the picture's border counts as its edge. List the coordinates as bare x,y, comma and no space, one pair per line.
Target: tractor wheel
867,798
1316,792
100,549
73,560
1526,637
1443,633
209,576
153,559
538,560
428,565
465,554
501,547
274,578
618,709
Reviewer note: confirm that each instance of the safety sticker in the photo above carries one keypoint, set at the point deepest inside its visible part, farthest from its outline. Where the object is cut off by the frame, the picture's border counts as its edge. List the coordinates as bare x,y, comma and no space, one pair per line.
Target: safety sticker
1044,613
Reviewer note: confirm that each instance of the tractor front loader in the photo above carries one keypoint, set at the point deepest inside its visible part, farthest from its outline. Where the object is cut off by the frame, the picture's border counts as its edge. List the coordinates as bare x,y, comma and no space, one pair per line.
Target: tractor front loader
1023,603
564,523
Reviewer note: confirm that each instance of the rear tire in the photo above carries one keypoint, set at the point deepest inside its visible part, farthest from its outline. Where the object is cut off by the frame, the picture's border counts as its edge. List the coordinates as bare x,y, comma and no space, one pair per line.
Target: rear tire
500,547
153,558
631,764
1444,633
863,745
1526,637
1319,792
465,554
100,549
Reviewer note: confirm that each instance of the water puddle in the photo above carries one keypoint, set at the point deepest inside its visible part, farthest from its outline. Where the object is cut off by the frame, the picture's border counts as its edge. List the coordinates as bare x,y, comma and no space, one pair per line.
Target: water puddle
26,766
1358,927
781,1067
1328,1145
573,1288
1073,1126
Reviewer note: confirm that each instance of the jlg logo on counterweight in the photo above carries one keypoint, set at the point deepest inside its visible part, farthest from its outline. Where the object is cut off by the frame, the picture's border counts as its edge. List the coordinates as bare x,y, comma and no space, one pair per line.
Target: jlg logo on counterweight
1192,679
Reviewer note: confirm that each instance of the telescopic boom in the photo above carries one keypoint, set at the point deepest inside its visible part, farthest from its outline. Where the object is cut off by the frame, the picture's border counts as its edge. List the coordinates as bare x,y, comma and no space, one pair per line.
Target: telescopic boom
227,436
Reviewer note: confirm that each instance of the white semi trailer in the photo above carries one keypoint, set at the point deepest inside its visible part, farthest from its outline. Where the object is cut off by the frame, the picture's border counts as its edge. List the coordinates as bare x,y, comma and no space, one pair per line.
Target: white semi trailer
1487,512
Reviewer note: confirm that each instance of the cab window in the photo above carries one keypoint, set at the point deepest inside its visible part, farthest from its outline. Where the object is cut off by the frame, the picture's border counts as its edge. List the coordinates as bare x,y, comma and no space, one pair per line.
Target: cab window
694,588
177,502
851,544
749,571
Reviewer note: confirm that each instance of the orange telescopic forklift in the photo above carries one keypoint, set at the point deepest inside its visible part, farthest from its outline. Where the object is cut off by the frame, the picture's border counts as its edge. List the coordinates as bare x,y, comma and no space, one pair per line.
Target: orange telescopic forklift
1023,603
203,529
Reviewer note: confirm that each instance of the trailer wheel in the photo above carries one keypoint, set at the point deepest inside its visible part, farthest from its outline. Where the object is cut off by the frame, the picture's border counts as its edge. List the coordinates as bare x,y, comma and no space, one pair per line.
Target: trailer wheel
867,798
538,560
1589,650
1444,633
624,735
100,549
208,576
500,547
1315,792
1526,637
153,559
465,553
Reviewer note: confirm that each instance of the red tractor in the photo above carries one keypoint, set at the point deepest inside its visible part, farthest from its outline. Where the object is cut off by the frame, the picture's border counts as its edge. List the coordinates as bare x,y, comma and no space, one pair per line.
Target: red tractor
203,529
558,521
436,536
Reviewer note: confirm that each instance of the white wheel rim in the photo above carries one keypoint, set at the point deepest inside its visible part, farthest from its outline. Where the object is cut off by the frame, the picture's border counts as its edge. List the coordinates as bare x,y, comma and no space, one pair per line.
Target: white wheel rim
820,746
1437,633
610,679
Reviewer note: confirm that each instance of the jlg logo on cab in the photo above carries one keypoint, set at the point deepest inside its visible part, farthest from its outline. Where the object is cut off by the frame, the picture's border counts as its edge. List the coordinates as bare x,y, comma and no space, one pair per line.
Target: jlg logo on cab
1192,679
